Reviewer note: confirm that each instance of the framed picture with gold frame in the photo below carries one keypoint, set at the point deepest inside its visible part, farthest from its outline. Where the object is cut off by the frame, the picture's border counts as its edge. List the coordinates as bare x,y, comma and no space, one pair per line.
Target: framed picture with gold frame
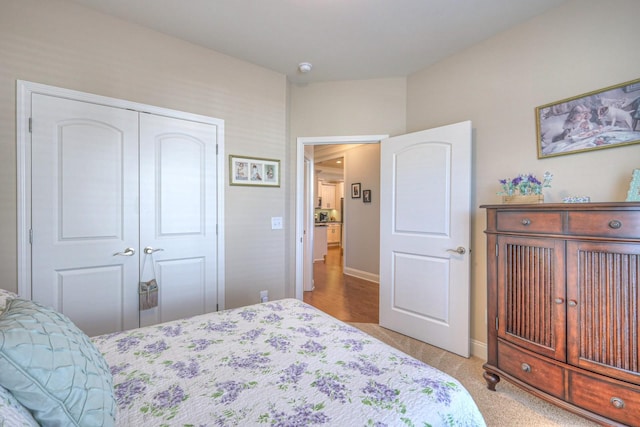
633,195
254,171
604,118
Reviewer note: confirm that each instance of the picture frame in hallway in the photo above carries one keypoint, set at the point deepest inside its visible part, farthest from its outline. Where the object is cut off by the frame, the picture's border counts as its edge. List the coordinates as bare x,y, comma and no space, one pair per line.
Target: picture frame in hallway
366,196
254,171
604,118
633,195
355,190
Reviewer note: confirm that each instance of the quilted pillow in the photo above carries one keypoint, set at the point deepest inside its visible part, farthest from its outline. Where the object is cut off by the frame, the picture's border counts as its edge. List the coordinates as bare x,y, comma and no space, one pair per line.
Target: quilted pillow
52,368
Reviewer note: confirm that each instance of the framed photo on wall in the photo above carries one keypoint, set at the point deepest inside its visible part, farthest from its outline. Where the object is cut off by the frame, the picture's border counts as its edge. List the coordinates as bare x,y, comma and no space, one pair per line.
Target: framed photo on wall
254,171
366,196
604,118
355,190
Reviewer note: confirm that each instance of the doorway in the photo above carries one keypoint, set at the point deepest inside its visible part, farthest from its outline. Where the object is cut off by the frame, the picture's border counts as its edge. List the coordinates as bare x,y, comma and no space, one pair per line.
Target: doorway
304,227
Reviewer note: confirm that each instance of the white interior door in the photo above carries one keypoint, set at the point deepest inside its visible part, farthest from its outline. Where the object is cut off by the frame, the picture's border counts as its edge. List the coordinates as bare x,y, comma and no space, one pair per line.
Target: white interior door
84,203
178,215
308,224
425,235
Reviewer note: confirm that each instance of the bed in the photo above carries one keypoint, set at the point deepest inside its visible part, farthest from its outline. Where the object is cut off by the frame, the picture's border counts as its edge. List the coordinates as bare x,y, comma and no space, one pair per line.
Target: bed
279,363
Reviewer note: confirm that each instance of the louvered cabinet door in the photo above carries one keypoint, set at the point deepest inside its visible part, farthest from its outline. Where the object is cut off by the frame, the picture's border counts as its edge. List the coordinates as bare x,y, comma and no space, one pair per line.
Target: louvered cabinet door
531,294
602,308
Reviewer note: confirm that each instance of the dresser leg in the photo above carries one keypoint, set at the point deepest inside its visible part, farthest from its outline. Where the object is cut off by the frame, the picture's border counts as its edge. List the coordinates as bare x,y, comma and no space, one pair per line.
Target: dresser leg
491,379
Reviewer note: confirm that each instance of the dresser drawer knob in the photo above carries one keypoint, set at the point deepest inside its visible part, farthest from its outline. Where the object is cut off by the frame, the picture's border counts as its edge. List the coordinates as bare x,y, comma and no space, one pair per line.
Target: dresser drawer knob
615,224
526,221
525,367
559,300
617,402
573,303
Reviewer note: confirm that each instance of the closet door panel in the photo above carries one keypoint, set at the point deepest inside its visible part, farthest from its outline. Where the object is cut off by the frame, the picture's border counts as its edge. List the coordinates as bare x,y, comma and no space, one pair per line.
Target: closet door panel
180,184
84,176
178,215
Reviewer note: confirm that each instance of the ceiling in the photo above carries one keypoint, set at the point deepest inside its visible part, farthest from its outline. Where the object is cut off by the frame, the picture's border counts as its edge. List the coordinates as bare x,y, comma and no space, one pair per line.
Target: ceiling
332,164
342,39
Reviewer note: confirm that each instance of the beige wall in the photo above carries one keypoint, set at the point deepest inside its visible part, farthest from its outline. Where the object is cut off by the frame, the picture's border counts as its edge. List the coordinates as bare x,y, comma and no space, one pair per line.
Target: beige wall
362,237
579,47
65,45
354,107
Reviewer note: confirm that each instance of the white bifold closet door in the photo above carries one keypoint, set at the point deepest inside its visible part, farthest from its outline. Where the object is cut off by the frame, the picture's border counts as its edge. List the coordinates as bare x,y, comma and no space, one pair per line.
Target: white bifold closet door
107,183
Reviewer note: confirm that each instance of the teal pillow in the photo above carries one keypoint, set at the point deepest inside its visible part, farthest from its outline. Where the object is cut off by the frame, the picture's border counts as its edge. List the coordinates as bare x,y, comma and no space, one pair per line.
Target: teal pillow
52,368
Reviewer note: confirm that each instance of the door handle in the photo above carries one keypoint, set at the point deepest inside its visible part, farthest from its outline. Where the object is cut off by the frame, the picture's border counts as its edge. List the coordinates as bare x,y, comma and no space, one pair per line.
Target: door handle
127,252
459,250
149,250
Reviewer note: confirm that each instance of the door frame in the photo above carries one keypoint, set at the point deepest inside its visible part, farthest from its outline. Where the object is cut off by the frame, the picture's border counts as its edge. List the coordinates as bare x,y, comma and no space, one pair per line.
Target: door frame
25,90
300,196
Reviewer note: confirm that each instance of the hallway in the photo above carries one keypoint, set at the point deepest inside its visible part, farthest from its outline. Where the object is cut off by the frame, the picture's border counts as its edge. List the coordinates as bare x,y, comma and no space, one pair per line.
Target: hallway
347,298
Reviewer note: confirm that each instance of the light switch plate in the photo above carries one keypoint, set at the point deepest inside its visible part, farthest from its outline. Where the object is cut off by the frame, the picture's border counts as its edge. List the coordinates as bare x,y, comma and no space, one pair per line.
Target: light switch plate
276,223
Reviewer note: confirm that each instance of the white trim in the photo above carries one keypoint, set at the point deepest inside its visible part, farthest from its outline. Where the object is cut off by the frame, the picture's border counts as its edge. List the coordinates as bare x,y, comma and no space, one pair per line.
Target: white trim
23,167
364,275
301,142
479,349
25,90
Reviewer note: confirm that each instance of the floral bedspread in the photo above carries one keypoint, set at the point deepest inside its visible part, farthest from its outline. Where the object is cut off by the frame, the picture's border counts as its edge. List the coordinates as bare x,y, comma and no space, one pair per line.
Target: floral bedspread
280,363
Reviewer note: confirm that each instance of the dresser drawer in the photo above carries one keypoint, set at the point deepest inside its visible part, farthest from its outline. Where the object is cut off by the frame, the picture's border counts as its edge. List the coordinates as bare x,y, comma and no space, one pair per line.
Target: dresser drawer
604,223
602,396
530,222
532,370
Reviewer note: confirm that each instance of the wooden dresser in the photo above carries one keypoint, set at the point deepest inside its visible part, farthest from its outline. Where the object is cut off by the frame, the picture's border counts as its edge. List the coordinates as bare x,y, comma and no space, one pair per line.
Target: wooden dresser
563,303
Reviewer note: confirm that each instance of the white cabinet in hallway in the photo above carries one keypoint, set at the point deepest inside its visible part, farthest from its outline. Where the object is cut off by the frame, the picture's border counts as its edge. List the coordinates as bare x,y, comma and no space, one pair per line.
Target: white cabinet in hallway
328,196
333,233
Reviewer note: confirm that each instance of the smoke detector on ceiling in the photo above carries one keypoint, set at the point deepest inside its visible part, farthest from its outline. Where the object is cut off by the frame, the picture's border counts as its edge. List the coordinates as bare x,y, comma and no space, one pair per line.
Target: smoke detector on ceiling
304,67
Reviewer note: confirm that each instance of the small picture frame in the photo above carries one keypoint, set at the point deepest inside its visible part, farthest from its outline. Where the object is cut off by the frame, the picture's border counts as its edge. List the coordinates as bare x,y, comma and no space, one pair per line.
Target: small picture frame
254,171
366,196
355,190
634,188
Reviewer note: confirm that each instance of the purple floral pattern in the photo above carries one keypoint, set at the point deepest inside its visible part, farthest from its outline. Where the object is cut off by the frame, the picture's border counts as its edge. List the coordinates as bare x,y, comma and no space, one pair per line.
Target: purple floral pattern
281,363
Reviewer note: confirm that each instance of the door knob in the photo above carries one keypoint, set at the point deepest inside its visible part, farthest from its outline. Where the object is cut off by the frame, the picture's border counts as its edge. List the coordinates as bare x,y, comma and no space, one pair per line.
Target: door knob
459,250
127,252
149,250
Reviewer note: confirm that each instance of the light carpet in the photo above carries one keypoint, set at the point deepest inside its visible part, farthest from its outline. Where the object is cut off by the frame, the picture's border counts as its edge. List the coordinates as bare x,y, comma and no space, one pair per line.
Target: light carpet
507,406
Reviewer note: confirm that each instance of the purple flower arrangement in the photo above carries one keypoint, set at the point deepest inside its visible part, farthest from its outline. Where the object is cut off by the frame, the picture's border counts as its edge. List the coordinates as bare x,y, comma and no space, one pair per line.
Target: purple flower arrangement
525,185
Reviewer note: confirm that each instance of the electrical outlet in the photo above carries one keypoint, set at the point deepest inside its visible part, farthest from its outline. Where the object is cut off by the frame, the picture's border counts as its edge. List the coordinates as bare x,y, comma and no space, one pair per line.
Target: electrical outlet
276,223
264,296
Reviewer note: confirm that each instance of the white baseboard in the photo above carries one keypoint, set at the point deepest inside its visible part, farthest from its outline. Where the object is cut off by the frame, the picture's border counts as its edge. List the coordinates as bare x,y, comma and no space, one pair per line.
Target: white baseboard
365,275
479,349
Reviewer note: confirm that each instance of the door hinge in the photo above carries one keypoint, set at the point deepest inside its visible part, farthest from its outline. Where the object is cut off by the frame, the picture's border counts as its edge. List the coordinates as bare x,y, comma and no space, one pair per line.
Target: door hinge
216,149
31,236
30,124
497,251
217,308
497,323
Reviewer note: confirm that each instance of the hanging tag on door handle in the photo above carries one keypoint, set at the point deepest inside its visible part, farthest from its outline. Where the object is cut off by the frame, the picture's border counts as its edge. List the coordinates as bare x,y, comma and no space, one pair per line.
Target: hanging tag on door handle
148,293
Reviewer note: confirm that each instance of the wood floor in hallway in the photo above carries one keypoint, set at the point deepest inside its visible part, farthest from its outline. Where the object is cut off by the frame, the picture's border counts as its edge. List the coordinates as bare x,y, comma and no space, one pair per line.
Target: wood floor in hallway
347,298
